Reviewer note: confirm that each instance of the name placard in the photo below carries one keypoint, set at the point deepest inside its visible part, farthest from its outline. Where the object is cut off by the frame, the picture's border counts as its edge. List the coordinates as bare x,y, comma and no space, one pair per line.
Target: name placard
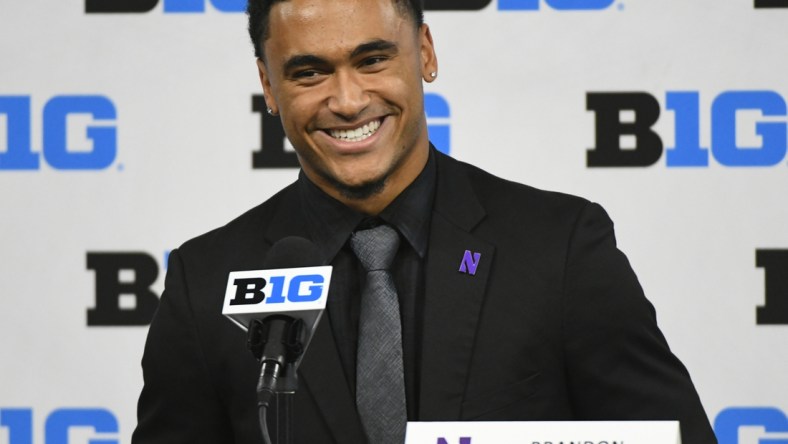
544,432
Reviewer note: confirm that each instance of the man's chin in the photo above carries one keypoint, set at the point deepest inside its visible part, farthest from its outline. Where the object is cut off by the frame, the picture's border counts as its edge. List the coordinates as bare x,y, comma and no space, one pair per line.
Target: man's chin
356,191
361,191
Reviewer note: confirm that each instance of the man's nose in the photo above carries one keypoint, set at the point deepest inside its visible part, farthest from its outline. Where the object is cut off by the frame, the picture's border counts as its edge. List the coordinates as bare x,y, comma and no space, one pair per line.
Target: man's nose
349,96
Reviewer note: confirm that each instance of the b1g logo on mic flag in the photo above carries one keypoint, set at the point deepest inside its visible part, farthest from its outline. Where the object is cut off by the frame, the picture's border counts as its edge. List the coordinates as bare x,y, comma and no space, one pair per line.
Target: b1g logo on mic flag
297,292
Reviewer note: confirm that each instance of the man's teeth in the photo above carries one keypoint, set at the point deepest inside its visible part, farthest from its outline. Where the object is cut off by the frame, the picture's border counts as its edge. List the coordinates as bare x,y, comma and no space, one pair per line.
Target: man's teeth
358,134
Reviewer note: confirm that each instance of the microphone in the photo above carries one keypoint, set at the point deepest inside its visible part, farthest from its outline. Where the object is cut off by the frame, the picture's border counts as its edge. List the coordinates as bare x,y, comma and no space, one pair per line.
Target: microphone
292,285
279,307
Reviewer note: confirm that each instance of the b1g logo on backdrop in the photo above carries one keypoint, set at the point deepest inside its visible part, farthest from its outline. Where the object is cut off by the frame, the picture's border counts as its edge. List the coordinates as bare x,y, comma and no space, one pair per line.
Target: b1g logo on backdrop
774,311
198,6
625,136
276,152
764,424
170,6
771,3
173,6
559,5
65,131
18,423
123,283
517,5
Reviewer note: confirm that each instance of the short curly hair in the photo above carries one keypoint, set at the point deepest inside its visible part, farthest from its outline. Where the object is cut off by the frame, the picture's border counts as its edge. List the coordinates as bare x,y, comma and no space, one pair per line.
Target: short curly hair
259,10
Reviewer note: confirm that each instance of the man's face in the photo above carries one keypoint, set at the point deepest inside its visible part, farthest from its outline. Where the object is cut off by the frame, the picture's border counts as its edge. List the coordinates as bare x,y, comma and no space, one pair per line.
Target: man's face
345,76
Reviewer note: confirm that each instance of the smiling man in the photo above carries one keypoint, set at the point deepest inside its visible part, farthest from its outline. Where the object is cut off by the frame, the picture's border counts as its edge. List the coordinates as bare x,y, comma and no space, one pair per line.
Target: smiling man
346,79
502,302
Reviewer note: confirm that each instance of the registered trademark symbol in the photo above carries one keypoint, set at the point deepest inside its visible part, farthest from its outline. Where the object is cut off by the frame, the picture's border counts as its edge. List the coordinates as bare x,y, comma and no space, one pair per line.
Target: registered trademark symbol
120,167
620,6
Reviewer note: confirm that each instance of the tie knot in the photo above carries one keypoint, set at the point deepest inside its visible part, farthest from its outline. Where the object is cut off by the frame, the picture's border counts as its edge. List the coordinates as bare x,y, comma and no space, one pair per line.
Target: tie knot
376,247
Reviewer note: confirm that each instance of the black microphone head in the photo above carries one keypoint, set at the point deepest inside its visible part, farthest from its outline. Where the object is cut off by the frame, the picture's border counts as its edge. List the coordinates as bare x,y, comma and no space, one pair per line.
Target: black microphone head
292,252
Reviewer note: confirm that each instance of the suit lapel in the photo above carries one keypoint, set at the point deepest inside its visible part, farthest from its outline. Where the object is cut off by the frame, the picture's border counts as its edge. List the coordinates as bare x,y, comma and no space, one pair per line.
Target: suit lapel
452,306
320,371
453,298
322,375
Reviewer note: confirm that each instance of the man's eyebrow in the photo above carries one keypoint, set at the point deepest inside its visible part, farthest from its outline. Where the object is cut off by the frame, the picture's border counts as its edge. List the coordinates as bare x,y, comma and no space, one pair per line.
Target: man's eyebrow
300,60
374,45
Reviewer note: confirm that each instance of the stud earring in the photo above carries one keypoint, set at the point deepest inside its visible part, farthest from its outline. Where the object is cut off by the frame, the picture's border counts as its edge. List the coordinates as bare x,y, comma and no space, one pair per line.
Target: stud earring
433,74
270,111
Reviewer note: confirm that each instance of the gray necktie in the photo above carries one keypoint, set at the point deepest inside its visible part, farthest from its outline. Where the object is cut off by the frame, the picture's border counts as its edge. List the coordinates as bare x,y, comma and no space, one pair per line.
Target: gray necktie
380,379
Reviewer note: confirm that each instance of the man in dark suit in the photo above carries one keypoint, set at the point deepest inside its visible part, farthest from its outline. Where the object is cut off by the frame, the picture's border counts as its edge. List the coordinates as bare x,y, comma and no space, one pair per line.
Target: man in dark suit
515,303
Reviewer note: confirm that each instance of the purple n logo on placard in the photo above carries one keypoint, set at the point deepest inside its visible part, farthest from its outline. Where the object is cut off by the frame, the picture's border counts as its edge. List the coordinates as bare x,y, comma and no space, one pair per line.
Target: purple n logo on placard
470,260
463,440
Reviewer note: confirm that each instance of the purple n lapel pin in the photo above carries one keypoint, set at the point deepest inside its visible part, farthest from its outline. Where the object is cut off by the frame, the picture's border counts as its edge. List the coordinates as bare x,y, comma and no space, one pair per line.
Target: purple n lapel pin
470,260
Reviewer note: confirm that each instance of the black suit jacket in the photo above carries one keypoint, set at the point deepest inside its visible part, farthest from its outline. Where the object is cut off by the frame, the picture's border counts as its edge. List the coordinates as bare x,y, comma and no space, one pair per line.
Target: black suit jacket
553,325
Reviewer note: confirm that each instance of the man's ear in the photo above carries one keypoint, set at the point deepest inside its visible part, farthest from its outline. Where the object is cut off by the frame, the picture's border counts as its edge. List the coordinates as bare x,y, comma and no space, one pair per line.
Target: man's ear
429,61
265,81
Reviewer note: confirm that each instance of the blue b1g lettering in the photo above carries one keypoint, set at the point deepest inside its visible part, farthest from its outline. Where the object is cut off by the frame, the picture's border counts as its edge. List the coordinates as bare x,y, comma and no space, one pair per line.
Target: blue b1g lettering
560,5
236,6
771,419
436,107
19,425
644,111
19,154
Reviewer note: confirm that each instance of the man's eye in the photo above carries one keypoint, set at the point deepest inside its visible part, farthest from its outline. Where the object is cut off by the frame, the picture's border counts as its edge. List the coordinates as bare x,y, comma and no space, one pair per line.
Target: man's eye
369,61
306,74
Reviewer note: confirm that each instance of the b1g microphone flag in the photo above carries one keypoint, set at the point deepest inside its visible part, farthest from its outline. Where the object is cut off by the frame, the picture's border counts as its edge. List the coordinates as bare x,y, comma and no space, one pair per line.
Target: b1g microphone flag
287,287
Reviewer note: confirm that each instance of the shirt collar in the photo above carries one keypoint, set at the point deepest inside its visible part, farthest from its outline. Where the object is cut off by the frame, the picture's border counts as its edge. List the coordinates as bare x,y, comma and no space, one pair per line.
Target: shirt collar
330,223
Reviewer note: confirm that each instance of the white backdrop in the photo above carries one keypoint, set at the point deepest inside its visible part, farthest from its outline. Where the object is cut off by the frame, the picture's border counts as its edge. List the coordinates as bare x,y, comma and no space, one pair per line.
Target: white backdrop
516,83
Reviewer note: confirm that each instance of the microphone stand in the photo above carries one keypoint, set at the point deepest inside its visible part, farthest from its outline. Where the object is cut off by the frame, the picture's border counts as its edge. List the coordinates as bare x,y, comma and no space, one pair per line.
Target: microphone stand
276,341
